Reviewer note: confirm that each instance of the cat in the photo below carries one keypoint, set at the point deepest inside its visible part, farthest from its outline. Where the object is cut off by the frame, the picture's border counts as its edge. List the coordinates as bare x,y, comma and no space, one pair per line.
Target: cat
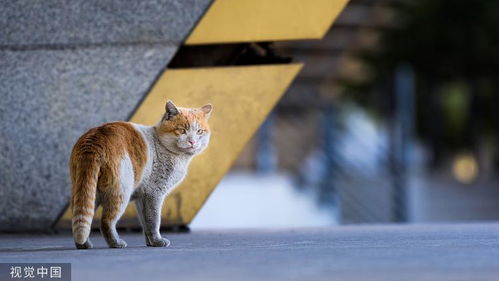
118,162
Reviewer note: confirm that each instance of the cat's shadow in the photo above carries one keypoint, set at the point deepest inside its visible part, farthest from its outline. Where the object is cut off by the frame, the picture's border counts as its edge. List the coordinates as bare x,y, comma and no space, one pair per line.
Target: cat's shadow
57,249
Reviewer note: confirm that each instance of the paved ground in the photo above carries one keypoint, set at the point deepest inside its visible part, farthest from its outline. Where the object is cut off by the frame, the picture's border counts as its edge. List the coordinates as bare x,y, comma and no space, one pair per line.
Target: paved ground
465,252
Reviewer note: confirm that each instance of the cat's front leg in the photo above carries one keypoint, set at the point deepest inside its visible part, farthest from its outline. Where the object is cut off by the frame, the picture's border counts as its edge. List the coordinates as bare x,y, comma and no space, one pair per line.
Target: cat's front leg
149,208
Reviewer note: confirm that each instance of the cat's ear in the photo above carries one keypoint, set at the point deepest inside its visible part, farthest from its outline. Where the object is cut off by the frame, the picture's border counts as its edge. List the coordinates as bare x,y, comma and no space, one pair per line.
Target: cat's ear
207,110
170,110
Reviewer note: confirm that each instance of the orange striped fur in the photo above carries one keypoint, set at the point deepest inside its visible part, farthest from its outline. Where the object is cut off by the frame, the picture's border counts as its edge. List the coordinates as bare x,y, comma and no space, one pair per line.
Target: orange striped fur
94,162
182,121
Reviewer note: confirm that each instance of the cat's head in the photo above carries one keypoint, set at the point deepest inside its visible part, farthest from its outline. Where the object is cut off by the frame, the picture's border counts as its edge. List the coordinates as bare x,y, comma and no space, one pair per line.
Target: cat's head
185,130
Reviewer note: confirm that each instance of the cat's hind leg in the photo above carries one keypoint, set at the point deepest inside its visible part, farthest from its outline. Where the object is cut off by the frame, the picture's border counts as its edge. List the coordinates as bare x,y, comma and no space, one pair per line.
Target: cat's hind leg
112,209
114,203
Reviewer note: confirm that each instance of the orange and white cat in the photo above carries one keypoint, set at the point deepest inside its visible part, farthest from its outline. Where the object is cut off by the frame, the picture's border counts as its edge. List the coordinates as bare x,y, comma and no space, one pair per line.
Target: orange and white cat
122,161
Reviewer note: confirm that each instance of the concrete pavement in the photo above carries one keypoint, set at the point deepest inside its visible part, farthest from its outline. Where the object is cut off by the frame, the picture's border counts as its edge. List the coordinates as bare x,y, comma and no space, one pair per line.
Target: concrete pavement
459,252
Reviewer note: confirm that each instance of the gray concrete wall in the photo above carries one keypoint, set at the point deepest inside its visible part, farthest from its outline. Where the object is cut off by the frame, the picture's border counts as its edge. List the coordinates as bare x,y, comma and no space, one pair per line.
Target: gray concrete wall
67,66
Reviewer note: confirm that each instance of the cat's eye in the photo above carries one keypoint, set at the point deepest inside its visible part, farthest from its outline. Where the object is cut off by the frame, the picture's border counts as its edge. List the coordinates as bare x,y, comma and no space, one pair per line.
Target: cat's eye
181,131
200,132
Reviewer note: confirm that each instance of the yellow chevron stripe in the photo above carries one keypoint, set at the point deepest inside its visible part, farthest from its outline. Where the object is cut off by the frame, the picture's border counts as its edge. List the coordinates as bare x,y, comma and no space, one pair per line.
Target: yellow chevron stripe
265,20
241,97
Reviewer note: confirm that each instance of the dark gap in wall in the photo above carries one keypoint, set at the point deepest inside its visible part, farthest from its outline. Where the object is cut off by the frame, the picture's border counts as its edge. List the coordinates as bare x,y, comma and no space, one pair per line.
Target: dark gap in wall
227,55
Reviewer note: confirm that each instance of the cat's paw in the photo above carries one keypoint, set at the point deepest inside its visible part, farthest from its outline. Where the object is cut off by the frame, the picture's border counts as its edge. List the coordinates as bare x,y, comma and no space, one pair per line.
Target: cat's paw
162,242
120,243
86,245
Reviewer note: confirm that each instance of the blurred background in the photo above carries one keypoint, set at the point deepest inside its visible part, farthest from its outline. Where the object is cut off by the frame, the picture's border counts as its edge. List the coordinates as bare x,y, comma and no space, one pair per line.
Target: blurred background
393,119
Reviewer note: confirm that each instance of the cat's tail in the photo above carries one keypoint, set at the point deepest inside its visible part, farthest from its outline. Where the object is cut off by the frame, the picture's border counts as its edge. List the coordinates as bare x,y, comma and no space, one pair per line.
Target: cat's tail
84,169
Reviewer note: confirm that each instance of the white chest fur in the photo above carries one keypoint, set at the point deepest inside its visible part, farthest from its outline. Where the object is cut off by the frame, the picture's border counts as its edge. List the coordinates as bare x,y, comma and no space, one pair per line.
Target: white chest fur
164,170
167,171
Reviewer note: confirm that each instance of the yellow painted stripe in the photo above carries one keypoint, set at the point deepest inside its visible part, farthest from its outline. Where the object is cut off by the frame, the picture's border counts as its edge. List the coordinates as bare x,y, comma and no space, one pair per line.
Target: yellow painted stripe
265,20
241,97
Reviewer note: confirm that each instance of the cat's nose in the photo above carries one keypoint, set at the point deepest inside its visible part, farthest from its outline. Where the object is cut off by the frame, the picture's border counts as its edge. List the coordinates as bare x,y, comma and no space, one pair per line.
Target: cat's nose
192,142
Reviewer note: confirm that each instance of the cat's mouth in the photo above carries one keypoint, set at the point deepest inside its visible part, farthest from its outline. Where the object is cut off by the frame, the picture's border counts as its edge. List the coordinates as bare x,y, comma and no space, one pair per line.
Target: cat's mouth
191,148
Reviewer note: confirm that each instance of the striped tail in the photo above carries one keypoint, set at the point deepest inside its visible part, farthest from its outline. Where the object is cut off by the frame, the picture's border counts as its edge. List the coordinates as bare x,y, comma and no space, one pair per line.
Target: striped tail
84,176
